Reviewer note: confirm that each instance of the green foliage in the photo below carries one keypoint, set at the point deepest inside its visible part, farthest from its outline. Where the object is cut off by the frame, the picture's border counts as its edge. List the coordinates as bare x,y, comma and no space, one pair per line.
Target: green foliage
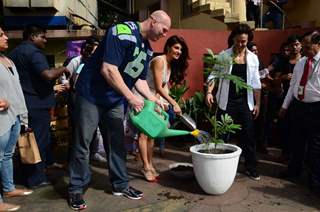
195,107
218,66
222,127
177,91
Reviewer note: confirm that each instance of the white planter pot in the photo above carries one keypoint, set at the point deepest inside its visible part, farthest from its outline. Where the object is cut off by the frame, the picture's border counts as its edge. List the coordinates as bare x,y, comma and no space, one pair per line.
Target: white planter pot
215,173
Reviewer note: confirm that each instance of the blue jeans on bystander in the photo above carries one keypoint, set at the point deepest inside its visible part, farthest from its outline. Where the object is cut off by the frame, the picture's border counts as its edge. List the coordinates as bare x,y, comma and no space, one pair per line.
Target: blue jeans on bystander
7,145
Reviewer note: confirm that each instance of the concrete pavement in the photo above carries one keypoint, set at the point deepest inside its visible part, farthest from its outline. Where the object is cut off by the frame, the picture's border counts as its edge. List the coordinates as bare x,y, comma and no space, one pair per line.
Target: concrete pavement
172,193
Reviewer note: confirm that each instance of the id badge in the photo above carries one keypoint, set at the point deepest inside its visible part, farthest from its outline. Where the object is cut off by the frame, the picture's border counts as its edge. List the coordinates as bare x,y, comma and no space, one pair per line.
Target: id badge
300,90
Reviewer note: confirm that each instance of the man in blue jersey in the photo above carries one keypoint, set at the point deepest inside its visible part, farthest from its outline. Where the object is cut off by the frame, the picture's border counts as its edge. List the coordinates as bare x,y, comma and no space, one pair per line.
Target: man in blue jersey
105,82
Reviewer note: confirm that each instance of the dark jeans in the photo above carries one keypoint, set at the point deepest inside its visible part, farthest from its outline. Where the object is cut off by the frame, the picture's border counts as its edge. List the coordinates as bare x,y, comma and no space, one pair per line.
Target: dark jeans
306,140
260,122
285,127
241,114
274,105
274,17
39,121
110,121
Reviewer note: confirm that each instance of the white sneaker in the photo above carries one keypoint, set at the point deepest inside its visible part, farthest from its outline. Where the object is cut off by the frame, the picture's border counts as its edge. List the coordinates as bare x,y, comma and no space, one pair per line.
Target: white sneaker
98,157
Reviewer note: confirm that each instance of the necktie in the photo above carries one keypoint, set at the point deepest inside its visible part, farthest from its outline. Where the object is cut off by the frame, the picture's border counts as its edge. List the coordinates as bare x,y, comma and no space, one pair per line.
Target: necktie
304,78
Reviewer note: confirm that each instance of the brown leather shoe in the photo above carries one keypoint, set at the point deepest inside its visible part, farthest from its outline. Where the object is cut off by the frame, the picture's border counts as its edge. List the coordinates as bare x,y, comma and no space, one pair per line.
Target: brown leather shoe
18,193
8,207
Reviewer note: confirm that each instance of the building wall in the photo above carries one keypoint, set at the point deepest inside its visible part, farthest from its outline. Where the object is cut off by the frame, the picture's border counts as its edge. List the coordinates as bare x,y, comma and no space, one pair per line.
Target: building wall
203,21
173,8
85,8
303,11
141,4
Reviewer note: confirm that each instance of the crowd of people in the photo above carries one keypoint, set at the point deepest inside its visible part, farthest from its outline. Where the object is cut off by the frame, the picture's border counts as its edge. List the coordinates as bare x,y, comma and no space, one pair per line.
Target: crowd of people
117,73
287,94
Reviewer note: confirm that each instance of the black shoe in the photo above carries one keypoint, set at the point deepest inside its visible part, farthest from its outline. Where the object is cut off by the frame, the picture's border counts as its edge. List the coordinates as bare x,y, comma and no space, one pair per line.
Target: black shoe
76,202
40,185
139,193
254,175
130,193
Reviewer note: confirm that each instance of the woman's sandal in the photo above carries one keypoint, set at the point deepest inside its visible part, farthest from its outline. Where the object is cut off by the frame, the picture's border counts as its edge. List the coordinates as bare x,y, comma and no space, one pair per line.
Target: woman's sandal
154,172
148,175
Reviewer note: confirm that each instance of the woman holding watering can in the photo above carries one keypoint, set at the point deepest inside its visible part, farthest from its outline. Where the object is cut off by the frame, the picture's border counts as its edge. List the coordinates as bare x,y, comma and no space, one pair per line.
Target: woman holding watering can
169,66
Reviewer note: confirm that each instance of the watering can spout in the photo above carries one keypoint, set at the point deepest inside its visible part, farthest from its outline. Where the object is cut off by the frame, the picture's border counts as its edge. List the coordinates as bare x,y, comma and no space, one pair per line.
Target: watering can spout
171,132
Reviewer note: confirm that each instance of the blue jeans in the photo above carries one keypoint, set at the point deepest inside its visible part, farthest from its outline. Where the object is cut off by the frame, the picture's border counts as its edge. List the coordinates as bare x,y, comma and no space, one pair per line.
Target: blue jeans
275,18
88,117
7,144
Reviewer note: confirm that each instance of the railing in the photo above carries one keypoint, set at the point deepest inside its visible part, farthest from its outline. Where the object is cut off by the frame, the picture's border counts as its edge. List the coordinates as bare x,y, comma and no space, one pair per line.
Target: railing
279,8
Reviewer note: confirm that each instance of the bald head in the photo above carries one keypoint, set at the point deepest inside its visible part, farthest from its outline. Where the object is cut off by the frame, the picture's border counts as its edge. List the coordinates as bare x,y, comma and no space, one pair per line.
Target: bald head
156,26
161,17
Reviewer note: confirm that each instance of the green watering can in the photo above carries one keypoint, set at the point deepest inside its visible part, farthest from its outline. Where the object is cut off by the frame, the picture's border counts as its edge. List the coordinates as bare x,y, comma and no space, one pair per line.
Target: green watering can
155,124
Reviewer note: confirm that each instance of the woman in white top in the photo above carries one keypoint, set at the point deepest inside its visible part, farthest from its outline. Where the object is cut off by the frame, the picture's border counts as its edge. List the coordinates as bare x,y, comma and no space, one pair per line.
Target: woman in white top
13,112
169,66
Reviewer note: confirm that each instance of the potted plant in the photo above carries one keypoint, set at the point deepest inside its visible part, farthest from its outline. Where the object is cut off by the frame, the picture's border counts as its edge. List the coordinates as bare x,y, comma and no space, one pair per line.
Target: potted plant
215,163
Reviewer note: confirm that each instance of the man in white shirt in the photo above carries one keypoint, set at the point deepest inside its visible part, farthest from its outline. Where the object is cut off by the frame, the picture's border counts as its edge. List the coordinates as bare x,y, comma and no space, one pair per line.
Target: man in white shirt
304,97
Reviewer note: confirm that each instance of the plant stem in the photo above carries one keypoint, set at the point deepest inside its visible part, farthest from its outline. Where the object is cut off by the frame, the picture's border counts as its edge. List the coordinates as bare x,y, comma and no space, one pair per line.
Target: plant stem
215,113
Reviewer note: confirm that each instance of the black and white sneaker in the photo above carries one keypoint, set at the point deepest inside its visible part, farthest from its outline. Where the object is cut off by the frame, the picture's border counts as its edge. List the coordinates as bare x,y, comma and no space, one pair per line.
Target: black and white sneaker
139,193
254,175
130,193
76,202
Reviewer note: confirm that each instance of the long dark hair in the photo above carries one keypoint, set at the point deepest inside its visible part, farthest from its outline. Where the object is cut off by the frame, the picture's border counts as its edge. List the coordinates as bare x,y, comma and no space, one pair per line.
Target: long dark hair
178,67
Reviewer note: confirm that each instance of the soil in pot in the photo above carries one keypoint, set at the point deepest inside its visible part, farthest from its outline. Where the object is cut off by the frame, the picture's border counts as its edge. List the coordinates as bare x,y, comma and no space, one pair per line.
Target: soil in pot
216,151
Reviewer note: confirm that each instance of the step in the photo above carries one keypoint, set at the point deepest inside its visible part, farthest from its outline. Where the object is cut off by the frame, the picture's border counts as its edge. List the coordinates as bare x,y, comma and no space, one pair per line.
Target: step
231,18
202,9
218,13
215,5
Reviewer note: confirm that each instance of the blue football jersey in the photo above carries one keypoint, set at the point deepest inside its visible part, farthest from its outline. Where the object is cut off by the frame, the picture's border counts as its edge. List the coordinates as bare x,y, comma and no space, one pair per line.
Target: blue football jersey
124,47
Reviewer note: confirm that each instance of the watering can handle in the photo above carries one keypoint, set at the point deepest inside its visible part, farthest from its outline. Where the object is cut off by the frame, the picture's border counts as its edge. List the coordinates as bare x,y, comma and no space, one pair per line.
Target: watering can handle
156,108
150,105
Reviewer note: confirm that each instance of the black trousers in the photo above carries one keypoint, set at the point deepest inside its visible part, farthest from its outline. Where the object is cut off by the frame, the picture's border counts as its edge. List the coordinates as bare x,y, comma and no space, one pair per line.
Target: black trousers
306,140
39,121
239,110
253,13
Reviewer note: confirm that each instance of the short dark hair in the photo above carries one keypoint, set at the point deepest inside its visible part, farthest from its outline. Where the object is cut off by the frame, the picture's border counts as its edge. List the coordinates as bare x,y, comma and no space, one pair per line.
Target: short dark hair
250,45
293,38
31,30
312,32
284,45
238,30
90,41
315,39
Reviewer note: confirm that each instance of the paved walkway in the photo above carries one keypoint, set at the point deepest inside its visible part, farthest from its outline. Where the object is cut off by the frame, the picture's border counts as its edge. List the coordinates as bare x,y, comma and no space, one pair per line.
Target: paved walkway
177,194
